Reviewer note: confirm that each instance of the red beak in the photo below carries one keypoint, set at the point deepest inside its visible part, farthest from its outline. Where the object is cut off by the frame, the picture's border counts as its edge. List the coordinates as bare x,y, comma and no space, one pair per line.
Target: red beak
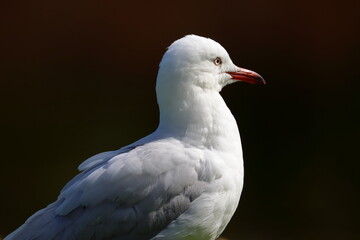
247,76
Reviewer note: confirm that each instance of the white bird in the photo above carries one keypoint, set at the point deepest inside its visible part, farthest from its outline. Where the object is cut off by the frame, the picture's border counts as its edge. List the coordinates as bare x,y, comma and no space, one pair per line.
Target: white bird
183,181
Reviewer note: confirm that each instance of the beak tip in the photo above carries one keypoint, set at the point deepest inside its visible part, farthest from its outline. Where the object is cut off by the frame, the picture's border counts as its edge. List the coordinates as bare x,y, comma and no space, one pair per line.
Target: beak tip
262,81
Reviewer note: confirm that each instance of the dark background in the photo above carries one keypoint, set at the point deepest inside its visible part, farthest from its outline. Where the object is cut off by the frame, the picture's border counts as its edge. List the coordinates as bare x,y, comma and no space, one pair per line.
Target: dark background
77,78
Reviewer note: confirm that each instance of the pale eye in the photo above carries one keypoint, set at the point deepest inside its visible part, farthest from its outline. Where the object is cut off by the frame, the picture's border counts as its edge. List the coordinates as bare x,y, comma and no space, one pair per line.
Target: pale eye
217,61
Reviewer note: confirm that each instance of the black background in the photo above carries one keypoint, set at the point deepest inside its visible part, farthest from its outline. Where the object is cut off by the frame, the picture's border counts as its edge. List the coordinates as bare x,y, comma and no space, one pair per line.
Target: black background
77,78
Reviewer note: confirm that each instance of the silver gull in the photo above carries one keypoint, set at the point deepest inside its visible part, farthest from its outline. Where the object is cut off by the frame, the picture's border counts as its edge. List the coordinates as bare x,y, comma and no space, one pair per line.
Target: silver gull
181,182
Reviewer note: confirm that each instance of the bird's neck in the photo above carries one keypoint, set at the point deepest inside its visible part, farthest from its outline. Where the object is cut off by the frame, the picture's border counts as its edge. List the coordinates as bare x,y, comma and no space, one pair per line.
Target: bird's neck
199,117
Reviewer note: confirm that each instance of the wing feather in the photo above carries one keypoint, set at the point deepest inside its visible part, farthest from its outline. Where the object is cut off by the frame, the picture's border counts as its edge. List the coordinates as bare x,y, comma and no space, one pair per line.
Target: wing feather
133,194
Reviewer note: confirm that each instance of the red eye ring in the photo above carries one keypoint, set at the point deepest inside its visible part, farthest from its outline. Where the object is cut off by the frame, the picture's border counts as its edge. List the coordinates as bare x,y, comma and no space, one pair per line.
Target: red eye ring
217,61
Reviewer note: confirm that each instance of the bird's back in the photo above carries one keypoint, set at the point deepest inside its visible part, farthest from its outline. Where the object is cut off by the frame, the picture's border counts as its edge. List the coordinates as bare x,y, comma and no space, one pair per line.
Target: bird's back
129,196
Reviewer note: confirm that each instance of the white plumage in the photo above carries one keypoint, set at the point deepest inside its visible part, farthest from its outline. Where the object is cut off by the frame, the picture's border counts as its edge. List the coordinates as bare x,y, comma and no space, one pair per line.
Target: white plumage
181,182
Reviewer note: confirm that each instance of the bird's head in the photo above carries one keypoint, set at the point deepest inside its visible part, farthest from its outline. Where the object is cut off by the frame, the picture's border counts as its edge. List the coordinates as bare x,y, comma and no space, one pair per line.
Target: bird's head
195,61
192,73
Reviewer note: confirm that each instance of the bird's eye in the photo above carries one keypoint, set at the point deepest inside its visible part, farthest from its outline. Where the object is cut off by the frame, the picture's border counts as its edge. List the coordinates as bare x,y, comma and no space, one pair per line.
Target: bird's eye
217,61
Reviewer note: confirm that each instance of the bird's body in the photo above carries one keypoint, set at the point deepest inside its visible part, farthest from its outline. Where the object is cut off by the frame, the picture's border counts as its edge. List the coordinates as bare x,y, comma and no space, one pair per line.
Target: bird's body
181,182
